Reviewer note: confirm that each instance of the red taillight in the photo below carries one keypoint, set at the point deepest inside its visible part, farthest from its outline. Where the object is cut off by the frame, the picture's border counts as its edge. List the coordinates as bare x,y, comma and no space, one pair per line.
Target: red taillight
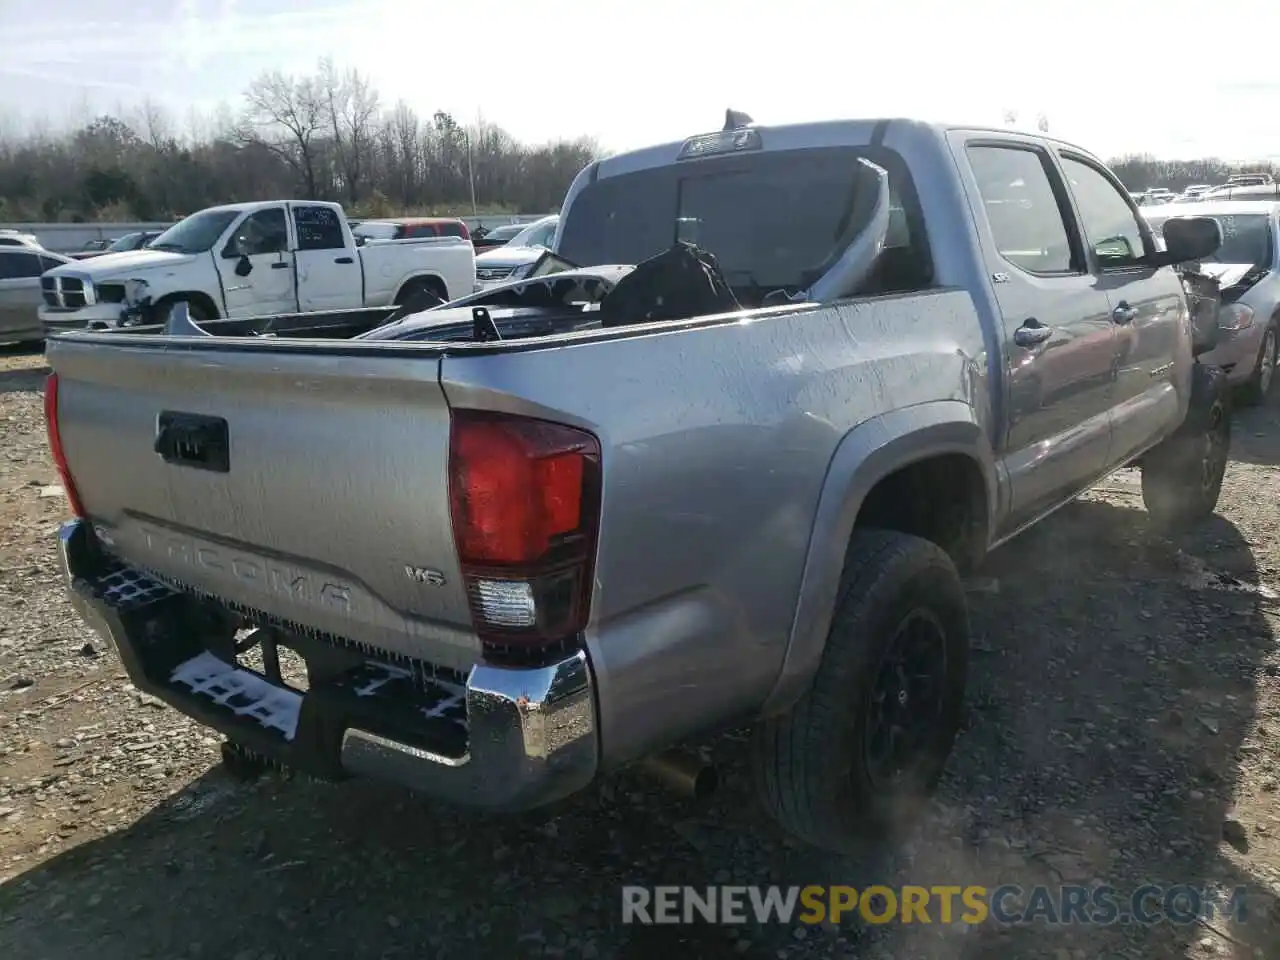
55,443
525,503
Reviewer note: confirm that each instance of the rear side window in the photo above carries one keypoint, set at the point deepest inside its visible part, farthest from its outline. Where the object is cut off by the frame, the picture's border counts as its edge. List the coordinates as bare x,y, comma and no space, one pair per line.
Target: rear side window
453,230
318,228
1023,211
19,266
1111,226
48,263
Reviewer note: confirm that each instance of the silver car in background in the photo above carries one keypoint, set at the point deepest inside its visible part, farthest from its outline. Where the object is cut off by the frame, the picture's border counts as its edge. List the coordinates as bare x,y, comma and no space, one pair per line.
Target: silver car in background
20,297
516,258
1247,266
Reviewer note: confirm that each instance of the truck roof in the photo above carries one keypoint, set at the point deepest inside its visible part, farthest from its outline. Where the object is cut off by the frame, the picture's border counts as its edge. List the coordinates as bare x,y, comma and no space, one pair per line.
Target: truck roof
260,204
834,133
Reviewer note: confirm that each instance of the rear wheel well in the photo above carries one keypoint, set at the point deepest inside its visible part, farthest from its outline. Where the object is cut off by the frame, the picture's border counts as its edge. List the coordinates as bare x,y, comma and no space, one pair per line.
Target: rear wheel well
426,282
942,499
201,301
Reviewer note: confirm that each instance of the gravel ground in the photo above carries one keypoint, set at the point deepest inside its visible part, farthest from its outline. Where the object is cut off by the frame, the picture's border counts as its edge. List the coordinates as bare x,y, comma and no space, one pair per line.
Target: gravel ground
1124,727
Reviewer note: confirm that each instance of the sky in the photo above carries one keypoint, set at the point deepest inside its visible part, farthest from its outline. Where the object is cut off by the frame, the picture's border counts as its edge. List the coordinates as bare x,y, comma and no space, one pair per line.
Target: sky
1113,77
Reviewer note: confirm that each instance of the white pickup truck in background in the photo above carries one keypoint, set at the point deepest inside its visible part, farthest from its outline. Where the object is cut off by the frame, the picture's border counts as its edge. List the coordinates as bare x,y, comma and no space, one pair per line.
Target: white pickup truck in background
255,259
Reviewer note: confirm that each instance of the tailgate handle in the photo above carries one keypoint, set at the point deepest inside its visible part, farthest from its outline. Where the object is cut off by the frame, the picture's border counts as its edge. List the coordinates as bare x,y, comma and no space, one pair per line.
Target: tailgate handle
193,440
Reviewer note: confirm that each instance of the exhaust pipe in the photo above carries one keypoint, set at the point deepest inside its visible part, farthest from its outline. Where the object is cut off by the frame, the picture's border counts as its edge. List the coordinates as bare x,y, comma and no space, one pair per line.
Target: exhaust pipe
686,774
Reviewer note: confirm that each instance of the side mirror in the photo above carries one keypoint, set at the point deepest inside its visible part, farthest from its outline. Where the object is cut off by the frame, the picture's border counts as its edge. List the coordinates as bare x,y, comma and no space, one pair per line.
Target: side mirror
244,267
1187,239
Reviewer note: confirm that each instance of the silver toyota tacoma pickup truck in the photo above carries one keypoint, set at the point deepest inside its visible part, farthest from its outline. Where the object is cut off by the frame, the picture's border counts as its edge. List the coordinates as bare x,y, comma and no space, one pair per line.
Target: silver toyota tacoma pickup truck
521,539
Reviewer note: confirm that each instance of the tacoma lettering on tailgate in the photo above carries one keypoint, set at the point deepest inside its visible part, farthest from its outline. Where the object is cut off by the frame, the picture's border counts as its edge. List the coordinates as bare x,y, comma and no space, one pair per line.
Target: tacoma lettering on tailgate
263,576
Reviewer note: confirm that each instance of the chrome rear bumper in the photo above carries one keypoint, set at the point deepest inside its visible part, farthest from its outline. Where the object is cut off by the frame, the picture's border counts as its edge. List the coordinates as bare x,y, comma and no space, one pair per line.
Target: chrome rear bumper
503,738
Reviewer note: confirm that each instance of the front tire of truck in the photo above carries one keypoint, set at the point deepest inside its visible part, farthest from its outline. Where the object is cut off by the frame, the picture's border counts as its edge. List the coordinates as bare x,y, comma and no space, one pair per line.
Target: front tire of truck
857,756
1182,477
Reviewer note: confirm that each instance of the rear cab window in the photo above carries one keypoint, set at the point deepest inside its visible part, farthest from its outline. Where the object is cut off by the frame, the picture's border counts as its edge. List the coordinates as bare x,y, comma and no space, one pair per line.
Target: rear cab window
772,219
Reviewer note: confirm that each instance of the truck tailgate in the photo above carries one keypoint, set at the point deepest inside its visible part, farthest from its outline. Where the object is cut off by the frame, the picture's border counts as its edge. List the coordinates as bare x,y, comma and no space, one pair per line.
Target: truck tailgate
331,510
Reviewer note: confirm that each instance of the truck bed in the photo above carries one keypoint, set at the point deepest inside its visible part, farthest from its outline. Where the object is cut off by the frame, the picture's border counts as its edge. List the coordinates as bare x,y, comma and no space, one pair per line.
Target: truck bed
259,532
328,324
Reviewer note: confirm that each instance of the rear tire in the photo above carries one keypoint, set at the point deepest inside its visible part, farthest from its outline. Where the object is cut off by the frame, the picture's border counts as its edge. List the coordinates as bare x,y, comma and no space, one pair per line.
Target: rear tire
1182,477
1256,390
900,623
197,312
422,293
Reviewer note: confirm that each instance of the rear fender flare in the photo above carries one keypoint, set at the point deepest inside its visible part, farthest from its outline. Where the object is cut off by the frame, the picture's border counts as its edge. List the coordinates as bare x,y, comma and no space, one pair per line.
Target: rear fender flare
868,453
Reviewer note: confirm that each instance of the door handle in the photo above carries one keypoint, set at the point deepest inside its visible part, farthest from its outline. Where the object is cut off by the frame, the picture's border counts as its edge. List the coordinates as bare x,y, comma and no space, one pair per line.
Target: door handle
343,260
1031,333
1123,313
280,266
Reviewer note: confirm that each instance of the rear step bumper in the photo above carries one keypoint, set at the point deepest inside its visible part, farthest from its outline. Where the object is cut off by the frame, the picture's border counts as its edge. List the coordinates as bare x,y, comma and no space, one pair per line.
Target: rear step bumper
508,739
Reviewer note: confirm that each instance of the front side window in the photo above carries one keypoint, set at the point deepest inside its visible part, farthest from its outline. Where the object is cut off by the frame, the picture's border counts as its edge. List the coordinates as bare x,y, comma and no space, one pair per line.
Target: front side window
1111,226
262,232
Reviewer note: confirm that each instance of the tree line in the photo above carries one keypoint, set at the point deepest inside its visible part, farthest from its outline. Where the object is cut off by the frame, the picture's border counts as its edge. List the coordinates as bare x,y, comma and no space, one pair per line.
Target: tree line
329,136
1142,171
324,136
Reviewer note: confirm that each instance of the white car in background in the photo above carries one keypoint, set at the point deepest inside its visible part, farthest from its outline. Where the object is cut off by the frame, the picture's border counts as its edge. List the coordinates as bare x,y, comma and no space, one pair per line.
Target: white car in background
16,238
517,257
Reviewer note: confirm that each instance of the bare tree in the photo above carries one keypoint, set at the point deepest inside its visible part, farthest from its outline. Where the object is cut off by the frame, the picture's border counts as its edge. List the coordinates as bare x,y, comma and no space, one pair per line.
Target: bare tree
286,115
154,124
317,136
353,111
